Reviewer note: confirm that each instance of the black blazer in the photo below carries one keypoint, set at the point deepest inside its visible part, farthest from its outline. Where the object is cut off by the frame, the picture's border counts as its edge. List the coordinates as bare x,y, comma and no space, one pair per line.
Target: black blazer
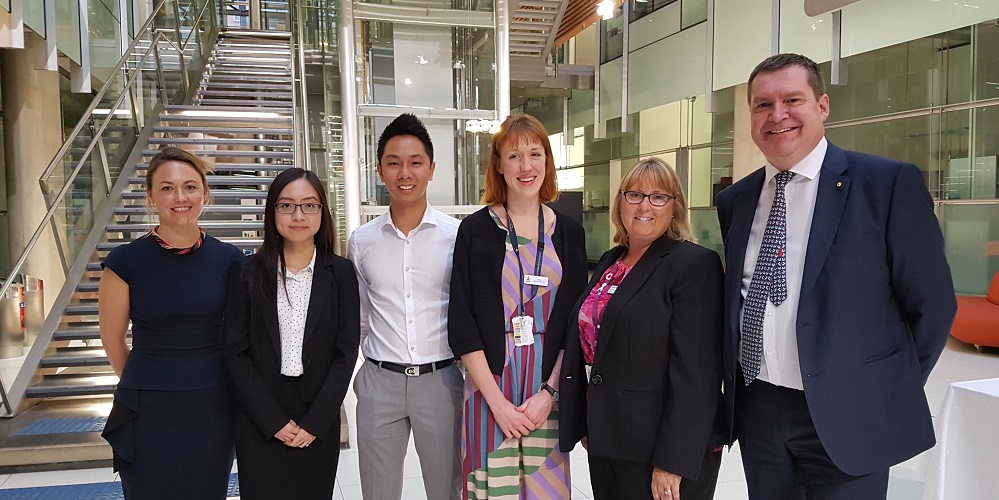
655,384
875,307
475,312
252,347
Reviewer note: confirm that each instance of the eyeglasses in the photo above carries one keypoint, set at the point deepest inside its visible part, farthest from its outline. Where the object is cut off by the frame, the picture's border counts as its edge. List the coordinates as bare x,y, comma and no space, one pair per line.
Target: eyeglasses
307,208
655,199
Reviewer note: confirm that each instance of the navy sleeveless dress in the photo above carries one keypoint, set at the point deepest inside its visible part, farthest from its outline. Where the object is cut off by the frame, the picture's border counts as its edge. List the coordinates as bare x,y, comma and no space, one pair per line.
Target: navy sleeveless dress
170,426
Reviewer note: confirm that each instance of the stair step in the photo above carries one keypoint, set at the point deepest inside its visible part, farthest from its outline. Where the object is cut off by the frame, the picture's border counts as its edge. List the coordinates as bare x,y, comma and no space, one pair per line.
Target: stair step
85,309
230,77
216,153
94,266
268,104
221,180
248,93
224,130
180,108
239,242
207,225
244,86
76,385
283,120
275,143
210,209
243,63
218,194
77,333
88,287
75,356
232,50
238,167
247,73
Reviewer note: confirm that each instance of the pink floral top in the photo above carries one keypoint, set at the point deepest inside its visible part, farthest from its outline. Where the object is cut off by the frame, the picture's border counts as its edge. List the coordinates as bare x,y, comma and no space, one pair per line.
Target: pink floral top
592,311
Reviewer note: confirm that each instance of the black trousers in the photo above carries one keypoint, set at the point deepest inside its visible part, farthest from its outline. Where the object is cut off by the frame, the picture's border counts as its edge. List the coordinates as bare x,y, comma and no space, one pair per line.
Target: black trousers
623,480
781,452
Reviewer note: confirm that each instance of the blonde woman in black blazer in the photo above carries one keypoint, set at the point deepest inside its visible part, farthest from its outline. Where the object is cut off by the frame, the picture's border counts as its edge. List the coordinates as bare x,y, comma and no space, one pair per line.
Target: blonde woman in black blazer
641,371
290,376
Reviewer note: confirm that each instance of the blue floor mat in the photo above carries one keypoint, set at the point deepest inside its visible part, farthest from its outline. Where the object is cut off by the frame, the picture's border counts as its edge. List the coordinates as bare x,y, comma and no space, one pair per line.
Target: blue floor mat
93,491
63,426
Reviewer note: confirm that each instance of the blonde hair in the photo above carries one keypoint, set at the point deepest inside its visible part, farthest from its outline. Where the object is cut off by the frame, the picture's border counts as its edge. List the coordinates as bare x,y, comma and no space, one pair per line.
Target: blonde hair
661,176
519,128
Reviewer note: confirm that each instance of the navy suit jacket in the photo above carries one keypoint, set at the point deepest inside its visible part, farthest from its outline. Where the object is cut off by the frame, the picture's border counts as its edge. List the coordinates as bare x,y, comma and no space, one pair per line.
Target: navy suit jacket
875,308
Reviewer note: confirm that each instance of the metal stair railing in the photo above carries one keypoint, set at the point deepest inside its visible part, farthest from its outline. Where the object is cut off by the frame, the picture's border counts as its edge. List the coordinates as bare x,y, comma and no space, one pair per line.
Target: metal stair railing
78,183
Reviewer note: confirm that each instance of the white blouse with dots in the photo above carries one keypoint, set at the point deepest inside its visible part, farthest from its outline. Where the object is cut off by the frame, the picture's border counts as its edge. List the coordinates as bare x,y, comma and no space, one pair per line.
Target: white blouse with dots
291,316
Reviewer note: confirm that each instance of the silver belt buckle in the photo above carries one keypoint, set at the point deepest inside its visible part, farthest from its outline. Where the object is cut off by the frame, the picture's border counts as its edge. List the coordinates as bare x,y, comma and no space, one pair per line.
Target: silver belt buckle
412,371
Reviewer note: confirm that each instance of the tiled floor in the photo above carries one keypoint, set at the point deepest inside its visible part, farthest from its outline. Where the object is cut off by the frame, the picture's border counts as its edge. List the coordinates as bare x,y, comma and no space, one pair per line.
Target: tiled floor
959,362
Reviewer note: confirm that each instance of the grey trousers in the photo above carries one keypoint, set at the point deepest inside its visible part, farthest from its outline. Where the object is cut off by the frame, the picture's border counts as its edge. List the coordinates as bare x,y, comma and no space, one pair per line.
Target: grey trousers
391,404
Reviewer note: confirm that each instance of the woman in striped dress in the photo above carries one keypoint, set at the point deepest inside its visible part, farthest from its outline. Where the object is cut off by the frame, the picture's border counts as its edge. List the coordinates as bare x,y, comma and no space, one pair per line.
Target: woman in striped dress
518,267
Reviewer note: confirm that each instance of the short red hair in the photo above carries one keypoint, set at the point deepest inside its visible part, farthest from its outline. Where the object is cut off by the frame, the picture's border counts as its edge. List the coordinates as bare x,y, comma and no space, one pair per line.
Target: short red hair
521,128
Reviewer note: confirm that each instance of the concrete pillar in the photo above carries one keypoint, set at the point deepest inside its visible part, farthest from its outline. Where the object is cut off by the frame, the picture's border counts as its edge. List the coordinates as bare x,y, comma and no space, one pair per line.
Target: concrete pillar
746,157
32,126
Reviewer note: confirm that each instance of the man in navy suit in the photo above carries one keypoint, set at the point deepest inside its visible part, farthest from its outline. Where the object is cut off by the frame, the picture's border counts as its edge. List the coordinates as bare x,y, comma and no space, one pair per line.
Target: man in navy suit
838,297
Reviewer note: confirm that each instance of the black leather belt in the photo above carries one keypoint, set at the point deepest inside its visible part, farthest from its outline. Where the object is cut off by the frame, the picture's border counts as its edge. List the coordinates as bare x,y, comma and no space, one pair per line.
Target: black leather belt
414,370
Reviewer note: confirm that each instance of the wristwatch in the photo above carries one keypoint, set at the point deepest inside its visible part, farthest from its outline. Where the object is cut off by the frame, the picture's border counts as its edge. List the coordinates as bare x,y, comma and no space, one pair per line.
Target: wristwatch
551,390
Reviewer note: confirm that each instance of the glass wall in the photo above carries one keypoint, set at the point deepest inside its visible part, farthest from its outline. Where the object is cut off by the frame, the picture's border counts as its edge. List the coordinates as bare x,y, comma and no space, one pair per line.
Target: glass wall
105,37
945,87
68,27
932,101
696,143
34,16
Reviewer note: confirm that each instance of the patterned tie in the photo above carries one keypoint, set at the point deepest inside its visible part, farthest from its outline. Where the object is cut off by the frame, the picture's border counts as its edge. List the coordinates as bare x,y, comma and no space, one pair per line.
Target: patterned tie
769,281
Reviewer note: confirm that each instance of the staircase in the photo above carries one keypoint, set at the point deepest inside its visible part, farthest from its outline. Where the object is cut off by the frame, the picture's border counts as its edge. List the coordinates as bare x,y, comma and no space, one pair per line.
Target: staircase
241,122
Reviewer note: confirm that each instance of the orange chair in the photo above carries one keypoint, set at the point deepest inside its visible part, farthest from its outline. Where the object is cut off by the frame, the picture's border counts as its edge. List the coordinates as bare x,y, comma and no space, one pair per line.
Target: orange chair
977,320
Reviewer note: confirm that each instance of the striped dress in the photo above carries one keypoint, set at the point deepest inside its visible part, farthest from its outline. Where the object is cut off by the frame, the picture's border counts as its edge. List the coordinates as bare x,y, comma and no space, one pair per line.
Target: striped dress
531,467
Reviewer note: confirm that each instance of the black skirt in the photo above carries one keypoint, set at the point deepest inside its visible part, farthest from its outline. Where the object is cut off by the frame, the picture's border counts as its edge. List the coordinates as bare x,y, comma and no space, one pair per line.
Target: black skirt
269,469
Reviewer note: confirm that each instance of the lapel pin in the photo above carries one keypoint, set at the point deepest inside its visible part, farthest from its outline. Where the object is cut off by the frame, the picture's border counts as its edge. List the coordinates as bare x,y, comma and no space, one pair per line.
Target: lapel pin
839,185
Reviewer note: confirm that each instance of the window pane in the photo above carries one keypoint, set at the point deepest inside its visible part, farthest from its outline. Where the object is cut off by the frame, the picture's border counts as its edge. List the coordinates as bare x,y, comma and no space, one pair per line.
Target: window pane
971,241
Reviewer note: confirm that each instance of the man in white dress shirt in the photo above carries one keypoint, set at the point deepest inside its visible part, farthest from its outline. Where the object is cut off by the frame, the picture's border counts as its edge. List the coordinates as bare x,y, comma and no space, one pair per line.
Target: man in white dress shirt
409,380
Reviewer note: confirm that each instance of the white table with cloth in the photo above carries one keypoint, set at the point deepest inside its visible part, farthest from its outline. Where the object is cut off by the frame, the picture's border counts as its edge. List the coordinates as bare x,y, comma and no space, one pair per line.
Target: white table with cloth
965,463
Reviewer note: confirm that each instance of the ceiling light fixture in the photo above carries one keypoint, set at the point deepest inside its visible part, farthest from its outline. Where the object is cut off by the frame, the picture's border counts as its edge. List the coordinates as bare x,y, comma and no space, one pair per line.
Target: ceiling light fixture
605,9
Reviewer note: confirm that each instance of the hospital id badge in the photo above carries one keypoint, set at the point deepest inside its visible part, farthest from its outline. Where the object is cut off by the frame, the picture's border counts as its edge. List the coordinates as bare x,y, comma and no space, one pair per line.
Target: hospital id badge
523,330
534,280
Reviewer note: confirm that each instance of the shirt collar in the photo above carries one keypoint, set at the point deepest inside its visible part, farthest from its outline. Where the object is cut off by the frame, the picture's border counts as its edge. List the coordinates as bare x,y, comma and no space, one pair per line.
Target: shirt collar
429,219
809,166
311,267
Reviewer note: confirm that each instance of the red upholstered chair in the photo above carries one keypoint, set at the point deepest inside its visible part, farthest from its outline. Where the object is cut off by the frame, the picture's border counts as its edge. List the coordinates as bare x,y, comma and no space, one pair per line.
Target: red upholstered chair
977,320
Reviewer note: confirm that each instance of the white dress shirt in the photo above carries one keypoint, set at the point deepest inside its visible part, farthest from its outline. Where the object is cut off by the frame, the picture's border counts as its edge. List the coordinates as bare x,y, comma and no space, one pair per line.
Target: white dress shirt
404,282
780,365
292,309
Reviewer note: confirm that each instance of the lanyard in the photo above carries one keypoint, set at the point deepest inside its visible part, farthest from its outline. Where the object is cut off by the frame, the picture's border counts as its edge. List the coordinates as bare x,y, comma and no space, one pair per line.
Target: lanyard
608,281
512,233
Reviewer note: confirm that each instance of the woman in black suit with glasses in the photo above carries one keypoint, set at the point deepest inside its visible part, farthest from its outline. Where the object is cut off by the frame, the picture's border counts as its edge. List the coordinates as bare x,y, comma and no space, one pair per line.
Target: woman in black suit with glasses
292,329
641,377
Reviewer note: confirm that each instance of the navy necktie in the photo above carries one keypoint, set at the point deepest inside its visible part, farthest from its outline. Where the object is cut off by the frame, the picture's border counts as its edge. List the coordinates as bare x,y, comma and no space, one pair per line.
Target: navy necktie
769,281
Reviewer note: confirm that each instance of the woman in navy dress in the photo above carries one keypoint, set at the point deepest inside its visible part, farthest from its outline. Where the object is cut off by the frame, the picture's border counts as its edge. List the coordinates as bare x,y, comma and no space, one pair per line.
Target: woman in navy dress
169,427
292,331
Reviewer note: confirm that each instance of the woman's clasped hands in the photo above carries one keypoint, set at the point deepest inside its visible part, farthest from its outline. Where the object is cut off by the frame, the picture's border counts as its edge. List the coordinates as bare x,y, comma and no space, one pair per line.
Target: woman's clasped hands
294,436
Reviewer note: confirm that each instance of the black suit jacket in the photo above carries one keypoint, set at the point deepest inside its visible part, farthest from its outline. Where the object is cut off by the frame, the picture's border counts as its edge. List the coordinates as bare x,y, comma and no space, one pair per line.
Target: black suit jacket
252,347
656,379
875,308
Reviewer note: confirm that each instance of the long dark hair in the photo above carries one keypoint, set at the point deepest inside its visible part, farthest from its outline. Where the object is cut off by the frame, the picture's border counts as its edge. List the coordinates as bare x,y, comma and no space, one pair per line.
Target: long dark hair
269,260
